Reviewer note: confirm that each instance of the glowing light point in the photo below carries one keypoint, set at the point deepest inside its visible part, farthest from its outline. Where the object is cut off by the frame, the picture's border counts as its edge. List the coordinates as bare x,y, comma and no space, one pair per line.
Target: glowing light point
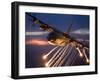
44,57
81,55
46,64
87,60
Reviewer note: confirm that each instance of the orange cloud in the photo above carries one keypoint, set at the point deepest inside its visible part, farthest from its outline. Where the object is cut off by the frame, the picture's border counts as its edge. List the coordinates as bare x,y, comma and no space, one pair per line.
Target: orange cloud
36,42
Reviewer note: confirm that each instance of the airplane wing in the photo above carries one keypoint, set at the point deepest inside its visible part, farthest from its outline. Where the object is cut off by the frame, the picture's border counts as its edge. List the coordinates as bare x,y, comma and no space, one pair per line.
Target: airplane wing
42,25
77,43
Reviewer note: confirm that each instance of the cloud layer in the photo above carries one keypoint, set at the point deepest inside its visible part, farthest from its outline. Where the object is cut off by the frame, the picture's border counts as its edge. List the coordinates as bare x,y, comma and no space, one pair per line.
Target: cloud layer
81,31
35,33
39,42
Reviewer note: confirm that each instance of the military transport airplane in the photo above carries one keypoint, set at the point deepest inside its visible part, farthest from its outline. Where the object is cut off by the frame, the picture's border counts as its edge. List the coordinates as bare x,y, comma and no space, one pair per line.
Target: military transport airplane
56,37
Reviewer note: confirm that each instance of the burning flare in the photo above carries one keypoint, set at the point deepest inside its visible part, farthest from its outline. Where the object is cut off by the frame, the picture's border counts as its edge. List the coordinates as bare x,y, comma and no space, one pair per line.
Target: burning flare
44,57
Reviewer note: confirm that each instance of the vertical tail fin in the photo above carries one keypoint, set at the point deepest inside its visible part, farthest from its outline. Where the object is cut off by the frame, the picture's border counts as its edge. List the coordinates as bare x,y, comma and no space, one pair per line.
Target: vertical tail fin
69,27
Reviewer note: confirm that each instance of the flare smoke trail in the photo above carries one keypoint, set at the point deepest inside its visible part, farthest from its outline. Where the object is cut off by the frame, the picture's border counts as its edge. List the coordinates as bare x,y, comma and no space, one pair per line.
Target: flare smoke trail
62,56
80,53
54,56
68,58
57,57
63,53
45,56
87,60
63,59
75,57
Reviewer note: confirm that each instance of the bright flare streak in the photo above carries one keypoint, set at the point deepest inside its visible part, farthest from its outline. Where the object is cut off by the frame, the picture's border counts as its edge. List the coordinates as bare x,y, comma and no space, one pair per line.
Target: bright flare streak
80,53
87,60
69,56
51,60
62,61
57,57
68,53
74,57
71,60
46,64
45,56
86,48
62,56
52,50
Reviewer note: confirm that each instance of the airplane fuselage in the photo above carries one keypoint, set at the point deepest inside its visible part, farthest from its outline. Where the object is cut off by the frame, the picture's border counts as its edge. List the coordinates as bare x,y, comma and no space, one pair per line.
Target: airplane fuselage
55,38
62,39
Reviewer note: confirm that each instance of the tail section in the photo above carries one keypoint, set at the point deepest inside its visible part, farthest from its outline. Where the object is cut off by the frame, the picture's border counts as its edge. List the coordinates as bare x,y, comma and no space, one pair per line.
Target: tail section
69,27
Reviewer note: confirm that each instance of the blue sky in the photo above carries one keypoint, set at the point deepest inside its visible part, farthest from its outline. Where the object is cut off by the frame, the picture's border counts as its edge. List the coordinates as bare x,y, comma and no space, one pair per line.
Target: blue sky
60,21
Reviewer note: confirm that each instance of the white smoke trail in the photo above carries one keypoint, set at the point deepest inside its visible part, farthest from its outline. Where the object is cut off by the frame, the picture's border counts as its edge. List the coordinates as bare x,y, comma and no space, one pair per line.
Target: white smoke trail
68,58
62,56
57,57
86,48
63,60
51,60
45,56
74,58
67,54
87,60
80,53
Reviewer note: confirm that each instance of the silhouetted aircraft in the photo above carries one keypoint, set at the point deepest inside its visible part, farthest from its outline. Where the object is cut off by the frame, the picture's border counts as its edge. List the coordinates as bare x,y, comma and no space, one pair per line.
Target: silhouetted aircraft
56,37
